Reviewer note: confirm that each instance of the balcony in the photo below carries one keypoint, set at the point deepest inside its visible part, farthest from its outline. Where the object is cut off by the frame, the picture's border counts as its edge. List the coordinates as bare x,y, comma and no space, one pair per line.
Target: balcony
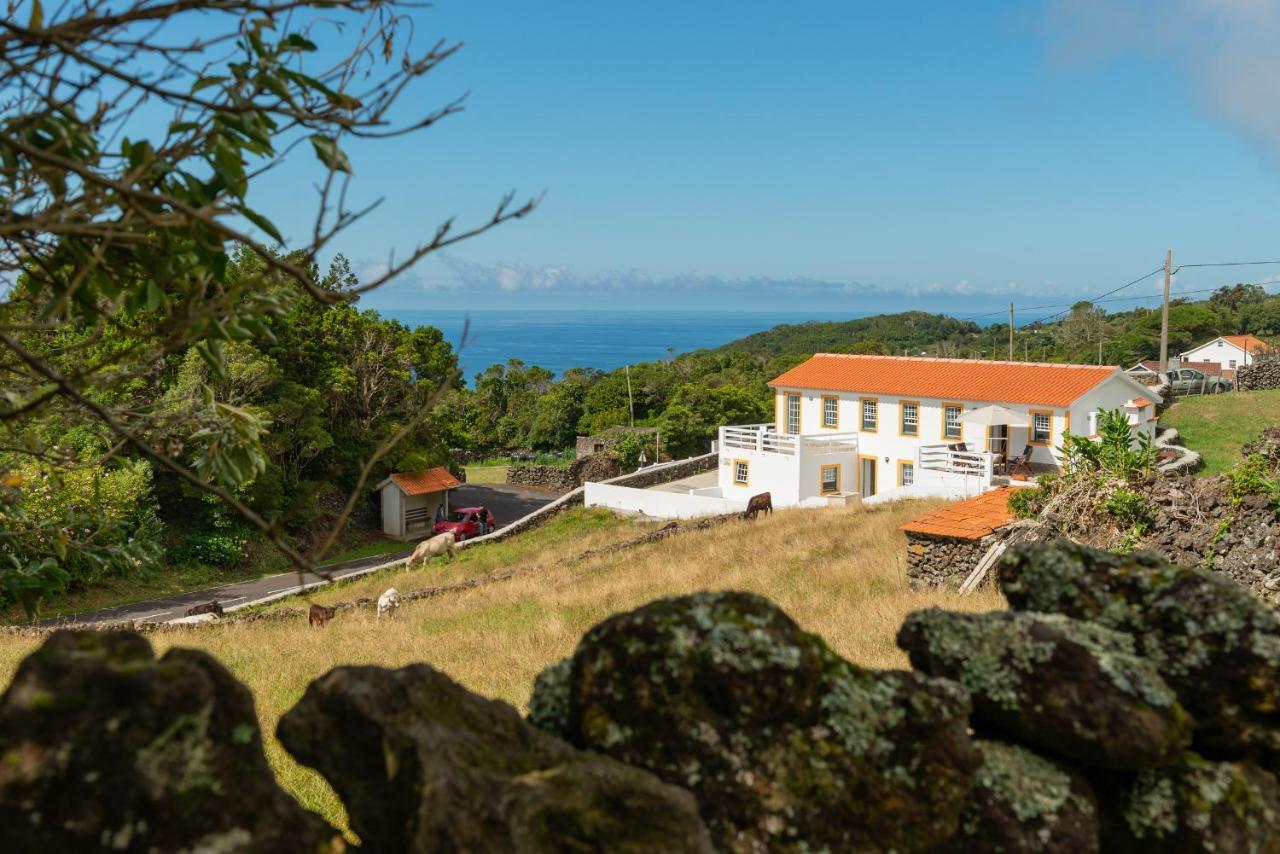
762,438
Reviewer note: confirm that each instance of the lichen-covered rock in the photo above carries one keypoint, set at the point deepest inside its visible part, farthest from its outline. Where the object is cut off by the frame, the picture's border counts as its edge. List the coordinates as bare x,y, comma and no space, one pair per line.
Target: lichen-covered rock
1023,803
549,704
1216,645
1195,805
787,746
105,748
1064,686
422,764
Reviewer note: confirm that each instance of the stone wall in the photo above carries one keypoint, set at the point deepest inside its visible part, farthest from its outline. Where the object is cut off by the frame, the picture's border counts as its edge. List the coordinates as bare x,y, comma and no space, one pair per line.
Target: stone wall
546,477
938,561
1258,376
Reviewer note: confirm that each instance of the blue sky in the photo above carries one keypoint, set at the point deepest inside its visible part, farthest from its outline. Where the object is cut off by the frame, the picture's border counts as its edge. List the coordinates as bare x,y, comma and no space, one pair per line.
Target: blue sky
845,156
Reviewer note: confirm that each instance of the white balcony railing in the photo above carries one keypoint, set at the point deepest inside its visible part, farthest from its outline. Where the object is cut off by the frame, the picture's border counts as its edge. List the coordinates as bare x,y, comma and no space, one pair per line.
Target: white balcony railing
831,443
764,439
945,458
758,437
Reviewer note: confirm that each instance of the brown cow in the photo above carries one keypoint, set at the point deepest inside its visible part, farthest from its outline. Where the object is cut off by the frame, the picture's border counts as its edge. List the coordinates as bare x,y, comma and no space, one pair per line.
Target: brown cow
757,503
319,615
214,607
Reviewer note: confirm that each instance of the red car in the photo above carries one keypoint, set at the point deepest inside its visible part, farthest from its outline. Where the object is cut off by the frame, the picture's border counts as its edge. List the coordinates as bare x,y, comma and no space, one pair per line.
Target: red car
466,522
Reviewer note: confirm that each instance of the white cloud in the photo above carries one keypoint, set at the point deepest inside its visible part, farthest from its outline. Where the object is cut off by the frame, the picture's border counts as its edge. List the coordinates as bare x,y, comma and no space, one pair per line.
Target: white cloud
1226,47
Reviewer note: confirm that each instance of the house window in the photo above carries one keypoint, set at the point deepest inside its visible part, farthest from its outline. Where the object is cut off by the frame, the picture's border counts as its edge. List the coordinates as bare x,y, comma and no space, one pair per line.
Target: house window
869,405
951,426
740,472
830,411
793,414
906,473
1231,363
910,411
1041,427
830,479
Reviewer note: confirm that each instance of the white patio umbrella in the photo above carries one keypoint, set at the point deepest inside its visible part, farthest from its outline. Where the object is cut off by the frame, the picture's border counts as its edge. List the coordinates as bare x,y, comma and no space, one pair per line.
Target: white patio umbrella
994,415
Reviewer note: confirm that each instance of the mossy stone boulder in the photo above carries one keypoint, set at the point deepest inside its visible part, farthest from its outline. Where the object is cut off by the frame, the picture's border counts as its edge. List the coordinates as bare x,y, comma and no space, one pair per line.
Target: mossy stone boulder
1064,686
105,748
787,746
422,764
1023,803
1194,805
1215,644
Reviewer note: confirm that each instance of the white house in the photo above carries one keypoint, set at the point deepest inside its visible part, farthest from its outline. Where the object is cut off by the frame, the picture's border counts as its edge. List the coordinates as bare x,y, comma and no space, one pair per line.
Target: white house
1228,352
894,426
410,501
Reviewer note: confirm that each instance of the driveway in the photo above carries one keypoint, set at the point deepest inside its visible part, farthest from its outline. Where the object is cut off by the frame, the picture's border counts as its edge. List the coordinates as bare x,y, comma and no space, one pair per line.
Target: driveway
508,503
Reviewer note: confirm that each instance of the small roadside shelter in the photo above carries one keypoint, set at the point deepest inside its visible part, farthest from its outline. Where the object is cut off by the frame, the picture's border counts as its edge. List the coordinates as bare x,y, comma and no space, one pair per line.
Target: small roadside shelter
411,500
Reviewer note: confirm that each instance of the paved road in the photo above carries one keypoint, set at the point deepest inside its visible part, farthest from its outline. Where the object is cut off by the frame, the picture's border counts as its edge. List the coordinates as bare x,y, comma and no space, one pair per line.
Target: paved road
508,504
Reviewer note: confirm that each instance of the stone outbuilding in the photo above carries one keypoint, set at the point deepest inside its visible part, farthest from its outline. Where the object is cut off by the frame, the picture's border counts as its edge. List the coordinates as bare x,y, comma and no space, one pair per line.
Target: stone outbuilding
945,545
606,439
410,501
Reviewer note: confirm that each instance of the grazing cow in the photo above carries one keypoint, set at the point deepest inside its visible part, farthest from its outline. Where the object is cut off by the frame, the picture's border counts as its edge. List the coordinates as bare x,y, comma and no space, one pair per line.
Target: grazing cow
319,615
427,549
214,607
388,601
758,503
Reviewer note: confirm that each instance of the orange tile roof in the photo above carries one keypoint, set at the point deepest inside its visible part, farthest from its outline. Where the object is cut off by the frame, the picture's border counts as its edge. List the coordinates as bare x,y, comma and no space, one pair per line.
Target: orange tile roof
950,379
1247,343
971,519
422,482
1139,402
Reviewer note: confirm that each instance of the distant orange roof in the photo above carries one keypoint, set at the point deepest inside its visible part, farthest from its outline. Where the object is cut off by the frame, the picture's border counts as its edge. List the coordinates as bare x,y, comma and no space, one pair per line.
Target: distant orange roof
1139,402
950,379
1247,343
422,482
972,519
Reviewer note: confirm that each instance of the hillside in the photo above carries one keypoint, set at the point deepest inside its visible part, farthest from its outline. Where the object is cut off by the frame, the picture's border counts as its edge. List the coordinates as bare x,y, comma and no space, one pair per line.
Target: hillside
913,331
1218,425
839,572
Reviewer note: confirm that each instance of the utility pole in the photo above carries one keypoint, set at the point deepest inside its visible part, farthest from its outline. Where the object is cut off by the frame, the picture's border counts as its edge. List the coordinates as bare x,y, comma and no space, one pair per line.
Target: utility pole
1099,350
631,407
1164,317
1010,331
1026,354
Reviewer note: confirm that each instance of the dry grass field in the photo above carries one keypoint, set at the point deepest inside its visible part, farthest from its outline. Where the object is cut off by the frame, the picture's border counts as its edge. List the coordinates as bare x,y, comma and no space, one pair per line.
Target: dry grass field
838,572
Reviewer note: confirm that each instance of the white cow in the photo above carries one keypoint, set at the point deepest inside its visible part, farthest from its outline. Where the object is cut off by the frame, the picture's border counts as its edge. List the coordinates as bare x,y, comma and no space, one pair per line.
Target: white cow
388,601
427,549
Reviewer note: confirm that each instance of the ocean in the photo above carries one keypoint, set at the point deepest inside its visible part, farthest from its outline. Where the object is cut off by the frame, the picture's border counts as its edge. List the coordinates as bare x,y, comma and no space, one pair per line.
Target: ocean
559,340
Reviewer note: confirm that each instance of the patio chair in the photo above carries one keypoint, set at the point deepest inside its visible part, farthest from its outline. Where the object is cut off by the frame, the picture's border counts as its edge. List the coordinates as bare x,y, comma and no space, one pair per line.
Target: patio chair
1021,464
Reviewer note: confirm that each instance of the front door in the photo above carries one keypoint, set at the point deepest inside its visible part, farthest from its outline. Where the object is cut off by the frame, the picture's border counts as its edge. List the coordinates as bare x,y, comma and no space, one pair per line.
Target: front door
867,476
998,439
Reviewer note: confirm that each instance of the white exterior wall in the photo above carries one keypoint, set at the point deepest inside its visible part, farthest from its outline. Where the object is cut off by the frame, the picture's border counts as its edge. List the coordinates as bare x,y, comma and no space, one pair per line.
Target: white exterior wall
392,511
766,472
1221,353
889,447
659,504
1113,393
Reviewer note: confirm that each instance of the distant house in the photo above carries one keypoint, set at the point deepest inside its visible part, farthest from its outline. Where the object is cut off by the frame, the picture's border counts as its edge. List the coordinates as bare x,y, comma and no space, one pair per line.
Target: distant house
894,426
1228,352
410,501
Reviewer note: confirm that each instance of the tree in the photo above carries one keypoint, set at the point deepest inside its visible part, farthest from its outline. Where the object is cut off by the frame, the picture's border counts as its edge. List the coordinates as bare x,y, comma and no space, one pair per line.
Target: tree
128,156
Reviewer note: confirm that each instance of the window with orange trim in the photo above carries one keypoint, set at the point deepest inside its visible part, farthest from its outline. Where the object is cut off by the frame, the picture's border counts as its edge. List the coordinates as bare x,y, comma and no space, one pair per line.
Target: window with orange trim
1041,427
870,413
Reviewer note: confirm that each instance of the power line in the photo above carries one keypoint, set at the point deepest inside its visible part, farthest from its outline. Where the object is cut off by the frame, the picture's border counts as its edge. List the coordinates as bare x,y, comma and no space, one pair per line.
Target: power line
1228,264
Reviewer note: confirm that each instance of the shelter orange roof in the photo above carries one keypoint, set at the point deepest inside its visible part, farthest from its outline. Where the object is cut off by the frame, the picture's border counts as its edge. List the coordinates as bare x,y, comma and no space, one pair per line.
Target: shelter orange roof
971,519
422,482
1247,343
1139,402
950,379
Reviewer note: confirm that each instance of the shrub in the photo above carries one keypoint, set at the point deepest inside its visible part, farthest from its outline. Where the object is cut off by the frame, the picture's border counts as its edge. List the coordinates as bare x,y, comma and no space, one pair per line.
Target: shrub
222,549
1027,503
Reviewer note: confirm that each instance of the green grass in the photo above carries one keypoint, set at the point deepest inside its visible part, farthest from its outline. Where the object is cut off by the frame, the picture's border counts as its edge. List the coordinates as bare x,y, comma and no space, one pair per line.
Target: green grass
1218,425
486,474
369,549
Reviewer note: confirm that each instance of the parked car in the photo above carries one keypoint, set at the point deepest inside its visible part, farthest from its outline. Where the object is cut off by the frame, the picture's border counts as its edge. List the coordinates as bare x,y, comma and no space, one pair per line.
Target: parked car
467,522
1191,381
